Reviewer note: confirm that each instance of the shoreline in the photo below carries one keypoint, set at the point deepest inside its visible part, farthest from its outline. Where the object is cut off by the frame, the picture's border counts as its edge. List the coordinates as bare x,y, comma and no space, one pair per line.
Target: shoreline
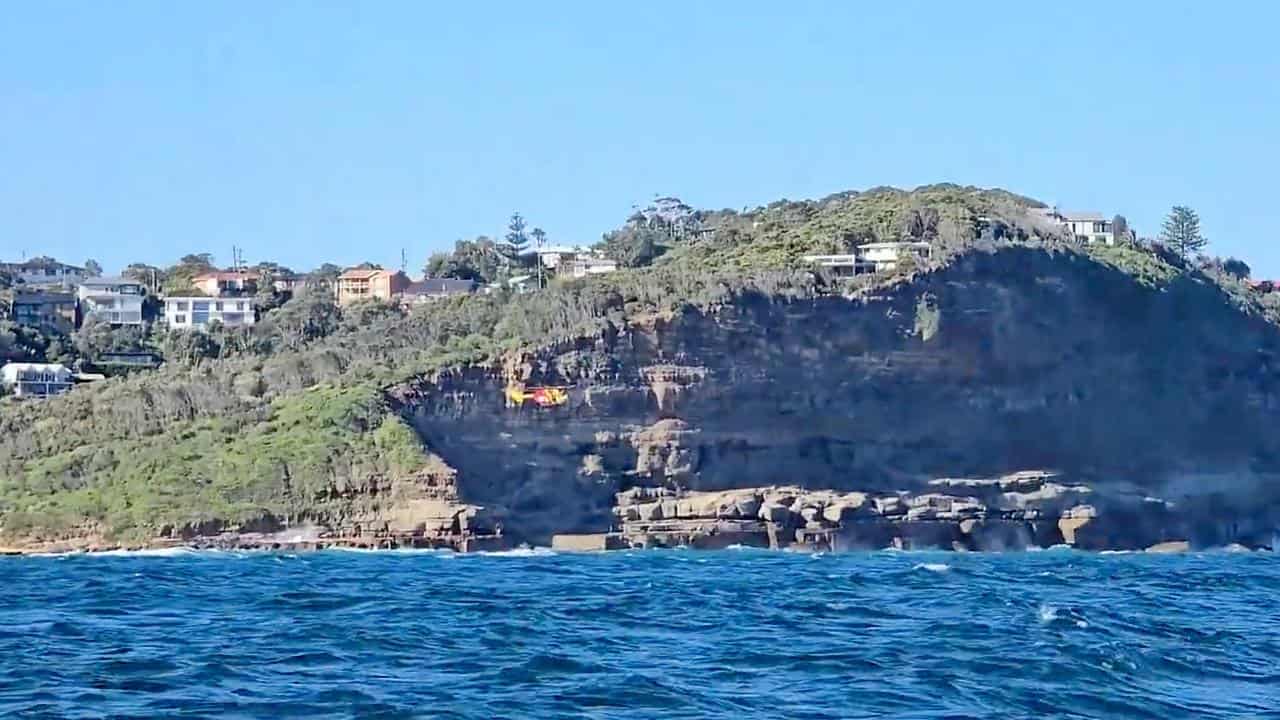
63,549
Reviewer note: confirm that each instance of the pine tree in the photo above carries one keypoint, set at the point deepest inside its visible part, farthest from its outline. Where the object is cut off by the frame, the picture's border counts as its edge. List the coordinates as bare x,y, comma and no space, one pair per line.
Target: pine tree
1181,232
516,241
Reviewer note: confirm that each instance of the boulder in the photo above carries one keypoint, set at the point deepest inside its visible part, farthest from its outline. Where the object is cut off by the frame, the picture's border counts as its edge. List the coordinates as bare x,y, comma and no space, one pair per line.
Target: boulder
1171,546
775,512
747,507
890,505
844,509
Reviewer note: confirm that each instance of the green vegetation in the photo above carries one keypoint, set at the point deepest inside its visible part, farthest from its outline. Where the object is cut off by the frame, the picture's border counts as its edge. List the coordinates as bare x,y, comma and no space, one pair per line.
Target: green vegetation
281,420
1181,232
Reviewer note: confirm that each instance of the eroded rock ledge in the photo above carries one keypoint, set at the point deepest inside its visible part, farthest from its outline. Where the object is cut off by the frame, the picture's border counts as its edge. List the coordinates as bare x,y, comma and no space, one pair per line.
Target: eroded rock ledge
1014,512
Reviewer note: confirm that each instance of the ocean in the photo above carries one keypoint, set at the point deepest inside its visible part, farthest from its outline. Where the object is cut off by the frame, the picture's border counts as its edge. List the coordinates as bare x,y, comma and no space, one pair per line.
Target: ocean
644,634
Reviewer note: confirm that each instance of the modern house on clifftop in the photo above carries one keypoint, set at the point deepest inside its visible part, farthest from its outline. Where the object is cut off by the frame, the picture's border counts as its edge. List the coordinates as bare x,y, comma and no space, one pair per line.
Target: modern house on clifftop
1086,227
117,301
360,284
870,257
196,313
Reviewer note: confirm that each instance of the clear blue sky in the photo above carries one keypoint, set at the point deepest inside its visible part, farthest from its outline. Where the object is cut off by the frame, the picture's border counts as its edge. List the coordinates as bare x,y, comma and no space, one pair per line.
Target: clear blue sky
316,131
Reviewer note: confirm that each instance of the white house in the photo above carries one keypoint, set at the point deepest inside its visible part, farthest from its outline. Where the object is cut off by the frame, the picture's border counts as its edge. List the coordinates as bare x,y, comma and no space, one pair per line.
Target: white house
552,256
869,257
196,313
884,256
585,265
842,264
37,379
112,300
1089,227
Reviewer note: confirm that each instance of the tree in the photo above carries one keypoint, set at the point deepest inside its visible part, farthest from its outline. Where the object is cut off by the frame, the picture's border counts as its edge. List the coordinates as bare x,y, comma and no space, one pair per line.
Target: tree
204,261
920,223
327,271
1181,232
516,241
149,275
310,315
1120,228
480,260
632,246
1236,268
92,268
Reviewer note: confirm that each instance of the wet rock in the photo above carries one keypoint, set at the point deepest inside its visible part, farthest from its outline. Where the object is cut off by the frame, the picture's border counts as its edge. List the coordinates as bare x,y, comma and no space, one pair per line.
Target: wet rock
845,509
775,512
1170,546
890,505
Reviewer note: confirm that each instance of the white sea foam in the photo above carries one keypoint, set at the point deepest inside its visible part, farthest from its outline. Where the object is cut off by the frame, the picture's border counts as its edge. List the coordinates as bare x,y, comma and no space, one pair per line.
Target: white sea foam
523,551
932,567
156,552
1047,613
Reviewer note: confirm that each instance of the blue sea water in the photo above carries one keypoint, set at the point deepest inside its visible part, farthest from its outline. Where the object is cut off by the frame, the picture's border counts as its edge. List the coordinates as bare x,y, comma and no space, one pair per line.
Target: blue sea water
733,634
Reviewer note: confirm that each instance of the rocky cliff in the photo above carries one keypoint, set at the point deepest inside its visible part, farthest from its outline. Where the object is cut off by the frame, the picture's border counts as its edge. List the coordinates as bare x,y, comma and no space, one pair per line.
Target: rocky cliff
1156,395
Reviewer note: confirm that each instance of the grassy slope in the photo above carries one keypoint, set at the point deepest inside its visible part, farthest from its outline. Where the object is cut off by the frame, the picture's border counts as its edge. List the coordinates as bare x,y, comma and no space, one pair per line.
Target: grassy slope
234,439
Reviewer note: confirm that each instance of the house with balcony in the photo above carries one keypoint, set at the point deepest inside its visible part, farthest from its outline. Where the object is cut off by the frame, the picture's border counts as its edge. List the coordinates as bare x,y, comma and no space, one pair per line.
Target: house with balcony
53,311
36,380
117,301
44,272
1087,227
227,284
360,284
885,256
870,258
197,313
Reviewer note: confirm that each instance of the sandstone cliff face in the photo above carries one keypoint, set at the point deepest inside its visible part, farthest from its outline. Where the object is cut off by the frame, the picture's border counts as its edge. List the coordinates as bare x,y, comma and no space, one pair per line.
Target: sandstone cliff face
1006,361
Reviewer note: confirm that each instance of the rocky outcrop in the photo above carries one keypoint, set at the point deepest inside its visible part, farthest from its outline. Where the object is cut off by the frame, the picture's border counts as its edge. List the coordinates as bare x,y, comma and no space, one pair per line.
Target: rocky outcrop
1013,512
1157,402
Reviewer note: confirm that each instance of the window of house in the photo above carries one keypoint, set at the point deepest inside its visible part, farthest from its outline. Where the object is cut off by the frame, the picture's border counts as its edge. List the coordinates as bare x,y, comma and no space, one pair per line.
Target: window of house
217,306
181,306
240,306
179,319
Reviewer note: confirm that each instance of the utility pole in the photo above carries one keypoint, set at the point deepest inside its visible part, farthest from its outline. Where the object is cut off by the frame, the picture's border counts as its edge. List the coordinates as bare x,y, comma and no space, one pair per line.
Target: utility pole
404,261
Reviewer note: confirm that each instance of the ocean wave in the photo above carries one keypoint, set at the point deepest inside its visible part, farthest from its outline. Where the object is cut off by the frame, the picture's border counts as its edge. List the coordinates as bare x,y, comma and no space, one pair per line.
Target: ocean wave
374,635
